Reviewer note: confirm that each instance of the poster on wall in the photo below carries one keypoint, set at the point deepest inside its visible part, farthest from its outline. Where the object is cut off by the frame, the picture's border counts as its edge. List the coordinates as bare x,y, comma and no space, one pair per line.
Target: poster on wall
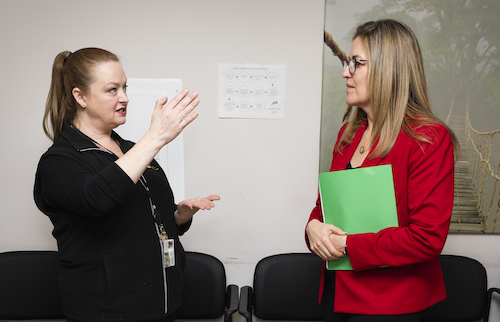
251,91
459,43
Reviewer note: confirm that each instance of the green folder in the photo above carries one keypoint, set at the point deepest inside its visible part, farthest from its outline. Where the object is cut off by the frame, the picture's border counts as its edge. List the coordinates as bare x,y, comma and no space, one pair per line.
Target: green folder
358,201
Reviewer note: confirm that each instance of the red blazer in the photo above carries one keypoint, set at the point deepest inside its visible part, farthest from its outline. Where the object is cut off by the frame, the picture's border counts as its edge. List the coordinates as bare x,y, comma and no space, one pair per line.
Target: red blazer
424,186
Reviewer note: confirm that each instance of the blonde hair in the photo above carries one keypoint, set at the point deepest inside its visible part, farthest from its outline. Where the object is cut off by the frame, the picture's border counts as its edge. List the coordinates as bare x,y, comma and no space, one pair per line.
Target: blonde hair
397,87
70,70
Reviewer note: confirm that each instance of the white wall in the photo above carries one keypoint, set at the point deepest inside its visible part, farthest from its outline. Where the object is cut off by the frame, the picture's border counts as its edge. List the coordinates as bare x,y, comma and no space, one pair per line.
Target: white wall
264,170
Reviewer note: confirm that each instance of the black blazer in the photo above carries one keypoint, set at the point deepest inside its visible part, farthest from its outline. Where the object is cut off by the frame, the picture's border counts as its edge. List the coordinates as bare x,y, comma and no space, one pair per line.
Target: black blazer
110,254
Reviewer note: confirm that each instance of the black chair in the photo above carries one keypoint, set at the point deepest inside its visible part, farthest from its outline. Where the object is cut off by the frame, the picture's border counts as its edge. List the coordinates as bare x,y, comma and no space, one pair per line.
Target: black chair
28,285
285,287
491,291
205,294
466,288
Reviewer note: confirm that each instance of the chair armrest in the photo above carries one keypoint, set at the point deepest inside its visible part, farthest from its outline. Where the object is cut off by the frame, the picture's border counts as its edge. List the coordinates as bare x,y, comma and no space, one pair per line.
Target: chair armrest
232,302
245,307
488,302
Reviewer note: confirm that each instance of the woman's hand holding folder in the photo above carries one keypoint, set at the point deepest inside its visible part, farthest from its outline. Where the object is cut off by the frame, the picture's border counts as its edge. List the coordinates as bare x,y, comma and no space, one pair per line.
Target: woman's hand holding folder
325,240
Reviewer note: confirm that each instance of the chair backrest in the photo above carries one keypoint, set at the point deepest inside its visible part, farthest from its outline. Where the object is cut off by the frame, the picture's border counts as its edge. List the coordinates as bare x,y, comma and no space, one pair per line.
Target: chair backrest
286,287
28,285
466,288
204,293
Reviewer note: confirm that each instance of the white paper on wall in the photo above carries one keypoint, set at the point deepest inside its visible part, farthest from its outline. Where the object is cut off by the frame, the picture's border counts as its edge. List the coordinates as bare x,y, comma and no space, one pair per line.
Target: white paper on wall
251,91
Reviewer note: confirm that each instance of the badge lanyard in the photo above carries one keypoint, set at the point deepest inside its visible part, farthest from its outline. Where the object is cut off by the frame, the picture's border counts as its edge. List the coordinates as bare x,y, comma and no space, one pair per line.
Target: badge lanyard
167,244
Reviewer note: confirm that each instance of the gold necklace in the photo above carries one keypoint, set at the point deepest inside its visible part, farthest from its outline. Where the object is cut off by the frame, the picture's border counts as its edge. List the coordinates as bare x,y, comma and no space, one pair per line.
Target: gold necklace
362,148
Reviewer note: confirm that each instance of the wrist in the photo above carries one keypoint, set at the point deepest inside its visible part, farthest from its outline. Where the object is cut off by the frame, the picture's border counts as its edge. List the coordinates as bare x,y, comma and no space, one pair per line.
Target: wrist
179,218
152,140
310,223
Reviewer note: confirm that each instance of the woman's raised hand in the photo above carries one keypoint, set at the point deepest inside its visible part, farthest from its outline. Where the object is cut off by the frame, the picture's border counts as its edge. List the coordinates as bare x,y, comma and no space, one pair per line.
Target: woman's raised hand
166,123
169,120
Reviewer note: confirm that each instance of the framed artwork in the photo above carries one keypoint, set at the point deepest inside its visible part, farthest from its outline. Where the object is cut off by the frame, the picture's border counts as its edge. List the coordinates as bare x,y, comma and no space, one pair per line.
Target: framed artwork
461,47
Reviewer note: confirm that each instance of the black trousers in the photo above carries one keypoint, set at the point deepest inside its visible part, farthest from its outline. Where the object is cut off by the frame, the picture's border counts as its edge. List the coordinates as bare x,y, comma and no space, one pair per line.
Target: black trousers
330,316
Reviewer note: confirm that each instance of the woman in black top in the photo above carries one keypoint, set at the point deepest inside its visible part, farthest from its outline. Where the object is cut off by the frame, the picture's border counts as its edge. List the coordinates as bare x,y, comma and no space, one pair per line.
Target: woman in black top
111,205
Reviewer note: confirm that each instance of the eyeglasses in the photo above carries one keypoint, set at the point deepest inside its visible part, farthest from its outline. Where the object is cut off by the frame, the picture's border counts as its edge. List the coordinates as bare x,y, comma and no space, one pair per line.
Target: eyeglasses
352,63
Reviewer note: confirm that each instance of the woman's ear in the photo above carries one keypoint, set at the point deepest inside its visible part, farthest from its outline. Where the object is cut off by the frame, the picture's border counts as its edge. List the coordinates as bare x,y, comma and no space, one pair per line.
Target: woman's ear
79,97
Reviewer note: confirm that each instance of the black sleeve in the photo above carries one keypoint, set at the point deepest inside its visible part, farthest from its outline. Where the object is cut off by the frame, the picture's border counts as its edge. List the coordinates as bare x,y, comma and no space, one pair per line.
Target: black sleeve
66,183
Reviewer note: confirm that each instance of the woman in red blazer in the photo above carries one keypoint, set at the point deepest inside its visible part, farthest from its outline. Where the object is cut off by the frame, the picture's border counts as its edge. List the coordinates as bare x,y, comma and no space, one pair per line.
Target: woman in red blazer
392,124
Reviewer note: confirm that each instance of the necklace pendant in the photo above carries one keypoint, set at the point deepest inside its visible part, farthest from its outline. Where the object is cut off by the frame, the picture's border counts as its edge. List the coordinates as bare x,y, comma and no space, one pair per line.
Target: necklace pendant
362,149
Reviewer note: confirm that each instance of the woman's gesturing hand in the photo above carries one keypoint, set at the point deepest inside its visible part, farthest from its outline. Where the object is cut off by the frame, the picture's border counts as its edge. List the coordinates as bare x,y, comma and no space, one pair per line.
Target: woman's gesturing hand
166,123
169,120
326,241
187,208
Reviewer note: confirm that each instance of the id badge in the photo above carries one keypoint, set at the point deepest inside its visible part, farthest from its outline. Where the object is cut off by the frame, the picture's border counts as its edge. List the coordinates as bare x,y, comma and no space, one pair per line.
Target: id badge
169,252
